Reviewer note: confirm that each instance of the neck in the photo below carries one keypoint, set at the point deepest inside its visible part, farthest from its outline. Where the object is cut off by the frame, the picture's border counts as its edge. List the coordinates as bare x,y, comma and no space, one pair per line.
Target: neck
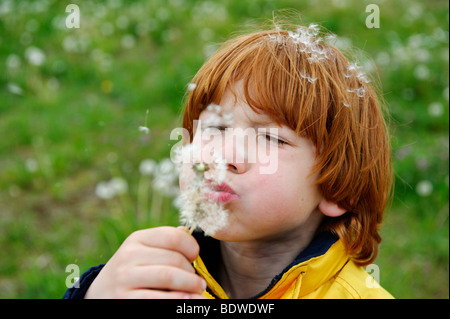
249,267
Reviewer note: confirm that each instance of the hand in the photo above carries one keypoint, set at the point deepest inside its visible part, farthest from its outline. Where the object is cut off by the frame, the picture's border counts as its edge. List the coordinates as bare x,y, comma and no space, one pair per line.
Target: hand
151,263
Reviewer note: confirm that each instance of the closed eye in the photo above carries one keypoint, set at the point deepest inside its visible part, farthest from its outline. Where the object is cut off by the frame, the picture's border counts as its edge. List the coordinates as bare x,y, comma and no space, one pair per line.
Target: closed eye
215,127
274,139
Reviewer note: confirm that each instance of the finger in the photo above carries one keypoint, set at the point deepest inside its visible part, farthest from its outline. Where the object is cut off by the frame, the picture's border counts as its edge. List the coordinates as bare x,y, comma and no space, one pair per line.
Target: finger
164,277
140,255
169,238
160,294
172,258
196,296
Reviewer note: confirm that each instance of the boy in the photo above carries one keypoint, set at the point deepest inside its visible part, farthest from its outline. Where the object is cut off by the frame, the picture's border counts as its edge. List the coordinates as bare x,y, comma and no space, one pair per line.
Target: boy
306,229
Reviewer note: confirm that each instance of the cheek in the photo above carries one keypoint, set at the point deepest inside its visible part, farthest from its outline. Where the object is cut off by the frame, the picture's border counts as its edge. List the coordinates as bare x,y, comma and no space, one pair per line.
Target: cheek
273,194
285,193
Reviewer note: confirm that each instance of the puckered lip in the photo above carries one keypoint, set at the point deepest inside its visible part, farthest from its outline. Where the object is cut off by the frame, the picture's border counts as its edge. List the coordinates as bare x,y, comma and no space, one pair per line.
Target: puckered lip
223,187
221,193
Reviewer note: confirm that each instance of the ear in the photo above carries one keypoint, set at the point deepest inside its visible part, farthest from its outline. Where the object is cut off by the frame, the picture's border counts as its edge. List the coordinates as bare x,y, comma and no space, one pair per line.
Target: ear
330,209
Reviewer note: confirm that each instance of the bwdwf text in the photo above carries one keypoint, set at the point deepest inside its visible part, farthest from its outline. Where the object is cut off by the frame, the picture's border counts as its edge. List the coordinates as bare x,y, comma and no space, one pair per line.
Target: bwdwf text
228,308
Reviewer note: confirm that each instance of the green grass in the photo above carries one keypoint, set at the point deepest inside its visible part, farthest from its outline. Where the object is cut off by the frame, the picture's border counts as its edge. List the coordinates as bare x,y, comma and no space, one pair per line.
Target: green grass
72,121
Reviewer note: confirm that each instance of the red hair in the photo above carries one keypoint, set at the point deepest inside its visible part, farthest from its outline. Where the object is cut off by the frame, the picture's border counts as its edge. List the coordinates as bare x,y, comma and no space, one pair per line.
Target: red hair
312,88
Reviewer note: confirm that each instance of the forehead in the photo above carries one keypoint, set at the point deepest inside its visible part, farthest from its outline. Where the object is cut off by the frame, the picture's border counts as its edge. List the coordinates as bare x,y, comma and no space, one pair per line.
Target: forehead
233,103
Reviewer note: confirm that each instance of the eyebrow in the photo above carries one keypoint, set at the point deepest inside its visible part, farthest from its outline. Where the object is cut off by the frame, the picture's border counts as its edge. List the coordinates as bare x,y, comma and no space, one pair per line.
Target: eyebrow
261,120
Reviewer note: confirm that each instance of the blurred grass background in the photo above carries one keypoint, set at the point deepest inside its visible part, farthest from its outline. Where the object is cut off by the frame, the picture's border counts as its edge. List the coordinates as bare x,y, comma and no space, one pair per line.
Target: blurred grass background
73,183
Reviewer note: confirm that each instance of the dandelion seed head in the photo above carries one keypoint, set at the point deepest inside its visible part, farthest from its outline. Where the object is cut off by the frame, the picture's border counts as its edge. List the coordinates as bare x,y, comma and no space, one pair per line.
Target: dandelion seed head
118,185
214,108
14,88
147,167
109,189
200,167
220,166
144,129
165,177
214,220
424,188
196,209
13,61
435,109
35,56
32,165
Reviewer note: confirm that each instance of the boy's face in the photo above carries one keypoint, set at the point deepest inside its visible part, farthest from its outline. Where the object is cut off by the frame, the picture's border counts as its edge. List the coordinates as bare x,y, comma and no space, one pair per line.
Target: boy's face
272,193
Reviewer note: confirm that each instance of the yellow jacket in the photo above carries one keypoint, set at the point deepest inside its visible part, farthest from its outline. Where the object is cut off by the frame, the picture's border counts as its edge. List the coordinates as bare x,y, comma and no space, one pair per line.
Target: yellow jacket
322,270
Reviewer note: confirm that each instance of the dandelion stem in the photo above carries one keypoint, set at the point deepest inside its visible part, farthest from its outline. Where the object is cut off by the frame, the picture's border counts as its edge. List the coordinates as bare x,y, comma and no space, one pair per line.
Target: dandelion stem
191,229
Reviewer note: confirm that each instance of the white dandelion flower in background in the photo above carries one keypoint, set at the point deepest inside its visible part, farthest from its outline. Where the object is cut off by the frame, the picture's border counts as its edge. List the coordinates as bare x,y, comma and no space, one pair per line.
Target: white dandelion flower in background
109,189
14,88
147,167
421,72
13,61
435,109
104,191
165,178
32,165
118,185
144,128
35,56
128,41
424,188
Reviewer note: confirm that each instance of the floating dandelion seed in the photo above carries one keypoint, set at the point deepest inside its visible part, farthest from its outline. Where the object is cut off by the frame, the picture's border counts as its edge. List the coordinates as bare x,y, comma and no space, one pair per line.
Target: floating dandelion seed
308,41
214,108
218,117
192,86
354,69
308,77
360,92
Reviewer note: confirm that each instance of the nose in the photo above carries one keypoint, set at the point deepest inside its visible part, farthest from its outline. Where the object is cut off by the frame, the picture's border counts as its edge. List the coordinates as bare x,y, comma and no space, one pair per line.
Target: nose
235,151
229,145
